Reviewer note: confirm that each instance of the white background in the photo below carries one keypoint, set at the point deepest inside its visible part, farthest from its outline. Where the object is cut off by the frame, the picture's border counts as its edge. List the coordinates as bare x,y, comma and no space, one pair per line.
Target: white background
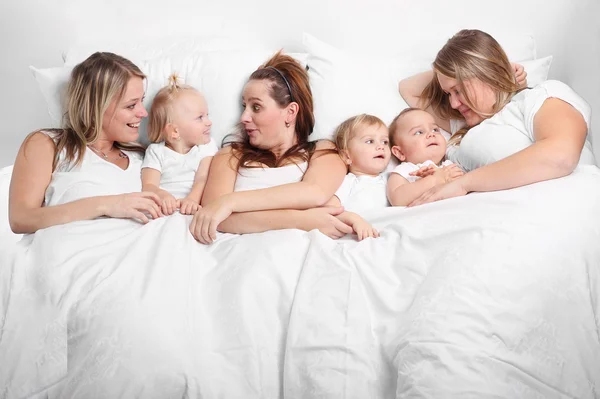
36,32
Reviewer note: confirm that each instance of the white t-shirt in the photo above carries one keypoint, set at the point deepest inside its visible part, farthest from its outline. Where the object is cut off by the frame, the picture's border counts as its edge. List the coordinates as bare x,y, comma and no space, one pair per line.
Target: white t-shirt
405,168
511,129
177,170
362,193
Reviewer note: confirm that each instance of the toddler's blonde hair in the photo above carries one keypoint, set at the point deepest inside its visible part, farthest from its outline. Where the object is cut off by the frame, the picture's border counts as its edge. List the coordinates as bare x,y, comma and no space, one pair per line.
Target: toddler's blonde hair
347,129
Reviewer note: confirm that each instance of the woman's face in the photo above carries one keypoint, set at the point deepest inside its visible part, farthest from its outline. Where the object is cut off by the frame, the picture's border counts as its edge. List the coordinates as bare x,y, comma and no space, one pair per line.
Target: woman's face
122,118
263,119
481,95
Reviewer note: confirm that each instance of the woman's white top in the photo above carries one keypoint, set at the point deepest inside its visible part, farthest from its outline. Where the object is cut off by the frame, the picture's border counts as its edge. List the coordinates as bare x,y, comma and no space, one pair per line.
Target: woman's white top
177,171
361,193
257,178
511,129
93,177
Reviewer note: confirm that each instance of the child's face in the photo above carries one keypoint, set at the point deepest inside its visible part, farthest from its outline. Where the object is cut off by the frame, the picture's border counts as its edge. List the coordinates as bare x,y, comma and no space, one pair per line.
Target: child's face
368,150
418,138
190,115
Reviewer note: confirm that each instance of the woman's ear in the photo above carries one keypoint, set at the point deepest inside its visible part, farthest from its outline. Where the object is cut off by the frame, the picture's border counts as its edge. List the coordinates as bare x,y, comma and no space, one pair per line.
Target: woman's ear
397,151
292,112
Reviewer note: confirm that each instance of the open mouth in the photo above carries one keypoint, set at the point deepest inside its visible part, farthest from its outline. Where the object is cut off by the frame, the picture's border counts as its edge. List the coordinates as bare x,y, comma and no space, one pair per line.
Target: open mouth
134,125
379,157
432,144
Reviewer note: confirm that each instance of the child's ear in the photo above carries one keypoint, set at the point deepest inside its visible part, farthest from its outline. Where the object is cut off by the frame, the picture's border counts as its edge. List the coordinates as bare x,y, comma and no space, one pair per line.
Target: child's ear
172,133
397,151
346,157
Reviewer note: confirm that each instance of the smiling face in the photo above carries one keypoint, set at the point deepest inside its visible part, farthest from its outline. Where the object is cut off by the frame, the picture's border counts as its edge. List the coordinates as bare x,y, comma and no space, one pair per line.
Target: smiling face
190,117
481,96
263,119
368,150
417,138
122,118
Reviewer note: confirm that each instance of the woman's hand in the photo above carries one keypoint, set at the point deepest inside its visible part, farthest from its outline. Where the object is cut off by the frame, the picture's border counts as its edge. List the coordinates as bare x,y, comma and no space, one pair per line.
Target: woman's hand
188,206
133,206
520,75
440,192
324,219
168,203
207,219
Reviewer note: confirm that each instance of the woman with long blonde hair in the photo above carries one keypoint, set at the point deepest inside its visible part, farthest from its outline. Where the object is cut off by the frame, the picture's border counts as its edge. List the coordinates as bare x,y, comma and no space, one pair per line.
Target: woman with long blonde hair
503,135
91,167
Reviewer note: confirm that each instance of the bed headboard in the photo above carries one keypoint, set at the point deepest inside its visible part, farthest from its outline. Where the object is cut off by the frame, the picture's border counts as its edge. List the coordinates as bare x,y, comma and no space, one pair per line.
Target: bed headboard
41,37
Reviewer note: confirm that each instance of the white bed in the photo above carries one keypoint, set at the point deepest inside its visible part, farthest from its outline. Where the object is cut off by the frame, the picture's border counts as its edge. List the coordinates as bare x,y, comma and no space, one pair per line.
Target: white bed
488,295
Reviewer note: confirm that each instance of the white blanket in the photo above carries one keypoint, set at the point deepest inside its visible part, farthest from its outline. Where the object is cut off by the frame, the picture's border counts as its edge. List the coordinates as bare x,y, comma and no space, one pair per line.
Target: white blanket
488,295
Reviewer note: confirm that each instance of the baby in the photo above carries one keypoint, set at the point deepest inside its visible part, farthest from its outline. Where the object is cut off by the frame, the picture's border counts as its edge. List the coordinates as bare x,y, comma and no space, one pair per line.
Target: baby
176,164
363,143
419,145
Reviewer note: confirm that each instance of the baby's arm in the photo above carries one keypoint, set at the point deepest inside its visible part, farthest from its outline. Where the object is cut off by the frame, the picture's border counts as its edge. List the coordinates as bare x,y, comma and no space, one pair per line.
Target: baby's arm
401,192
190,204
151,182
361,227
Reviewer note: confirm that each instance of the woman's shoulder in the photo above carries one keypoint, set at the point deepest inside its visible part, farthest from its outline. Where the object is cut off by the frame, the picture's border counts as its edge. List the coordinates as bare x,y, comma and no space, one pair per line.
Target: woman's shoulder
324,145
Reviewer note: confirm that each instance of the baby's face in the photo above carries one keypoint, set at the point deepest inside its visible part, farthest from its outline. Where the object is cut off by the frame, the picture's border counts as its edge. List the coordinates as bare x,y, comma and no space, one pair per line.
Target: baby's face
368,150
190,114
418,138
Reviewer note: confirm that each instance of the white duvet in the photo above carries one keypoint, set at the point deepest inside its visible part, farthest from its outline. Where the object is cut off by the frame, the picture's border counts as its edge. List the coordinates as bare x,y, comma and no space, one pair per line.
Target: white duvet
484,296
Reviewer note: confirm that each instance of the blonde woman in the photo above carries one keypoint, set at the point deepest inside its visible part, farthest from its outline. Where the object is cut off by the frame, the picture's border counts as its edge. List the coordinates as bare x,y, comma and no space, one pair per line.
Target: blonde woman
504,136
85,170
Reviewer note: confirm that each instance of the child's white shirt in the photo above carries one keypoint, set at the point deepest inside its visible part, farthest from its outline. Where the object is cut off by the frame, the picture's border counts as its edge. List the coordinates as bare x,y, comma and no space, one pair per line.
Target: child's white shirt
362,193
406,168
177,171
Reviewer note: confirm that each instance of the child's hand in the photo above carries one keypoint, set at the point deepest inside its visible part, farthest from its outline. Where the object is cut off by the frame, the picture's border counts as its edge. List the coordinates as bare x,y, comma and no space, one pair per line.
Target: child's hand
168,203
188,206
363,230
424,171
448,173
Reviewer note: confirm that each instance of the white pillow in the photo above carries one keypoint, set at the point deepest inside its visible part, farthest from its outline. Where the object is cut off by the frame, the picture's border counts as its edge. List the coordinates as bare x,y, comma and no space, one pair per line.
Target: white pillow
344,85
537,70
219,75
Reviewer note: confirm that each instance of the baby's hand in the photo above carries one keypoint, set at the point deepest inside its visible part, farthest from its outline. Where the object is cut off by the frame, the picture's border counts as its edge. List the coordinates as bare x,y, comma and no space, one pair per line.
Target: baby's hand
520,75
424,171
448,173
363,230
168,203
188,206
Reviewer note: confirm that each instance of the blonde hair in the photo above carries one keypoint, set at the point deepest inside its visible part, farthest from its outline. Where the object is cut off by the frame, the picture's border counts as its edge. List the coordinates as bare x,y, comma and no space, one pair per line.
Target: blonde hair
394,125
347,129
94,84
470,54
161,111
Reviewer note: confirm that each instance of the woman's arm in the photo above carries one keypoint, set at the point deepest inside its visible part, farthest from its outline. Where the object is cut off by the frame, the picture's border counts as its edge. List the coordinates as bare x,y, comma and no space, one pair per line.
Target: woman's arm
221,182
559,131
411,89
31,176
323,177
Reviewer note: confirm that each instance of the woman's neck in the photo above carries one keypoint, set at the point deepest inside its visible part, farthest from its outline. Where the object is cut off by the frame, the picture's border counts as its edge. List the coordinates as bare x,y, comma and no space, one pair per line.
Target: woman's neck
285,145
103,145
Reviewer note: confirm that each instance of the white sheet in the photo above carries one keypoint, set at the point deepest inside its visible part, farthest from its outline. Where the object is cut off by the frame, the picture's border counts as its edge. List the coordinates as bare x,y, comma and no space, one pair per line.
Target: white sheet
488,295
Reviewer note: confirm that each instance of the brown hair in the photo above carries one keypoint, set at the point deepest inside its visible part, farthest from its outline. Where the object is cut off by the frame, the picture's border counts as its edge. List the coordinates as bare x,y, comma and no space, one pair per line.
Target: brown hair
162,108
347,129
94,84
470,54
288,81
394,125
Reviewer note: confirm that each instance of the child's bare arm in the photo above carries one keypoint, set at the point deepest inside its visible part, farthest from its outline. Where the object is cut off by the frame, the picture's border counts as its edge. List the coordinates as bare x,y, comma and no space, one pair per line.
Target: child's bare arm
361,227
151,183
401,192
190,204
